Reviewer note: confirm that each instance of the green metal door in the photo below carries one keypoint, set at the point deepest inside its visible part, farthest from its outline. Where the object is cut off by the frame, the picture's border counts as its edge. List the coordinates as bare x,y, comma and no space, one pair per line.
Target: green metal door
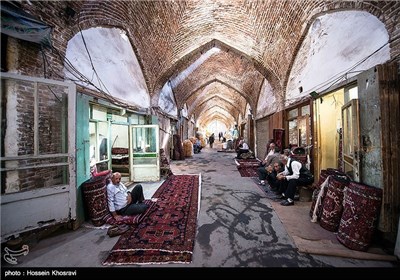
144,148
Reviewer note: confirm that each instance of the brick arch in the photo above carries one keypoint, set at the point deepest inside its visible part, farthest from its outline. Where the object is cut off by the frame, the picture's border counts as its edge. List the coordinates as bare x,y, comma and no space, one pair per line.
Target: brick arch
193,55
231,97
226,121
219,99
197,91
226,105
214,113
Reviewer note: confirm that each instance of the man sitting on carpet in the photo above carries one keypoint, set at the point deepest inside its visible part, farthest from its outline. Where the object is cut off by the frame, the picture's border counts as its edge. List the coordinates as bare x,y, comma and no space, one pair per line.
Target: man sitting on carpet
121,202
242,148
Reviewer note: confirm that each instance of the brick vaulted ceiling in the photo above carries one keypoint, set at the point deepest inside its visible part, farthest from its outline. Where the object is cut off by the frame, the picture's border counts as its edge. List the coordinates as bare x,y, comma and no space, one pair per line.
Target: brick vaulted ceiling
257,41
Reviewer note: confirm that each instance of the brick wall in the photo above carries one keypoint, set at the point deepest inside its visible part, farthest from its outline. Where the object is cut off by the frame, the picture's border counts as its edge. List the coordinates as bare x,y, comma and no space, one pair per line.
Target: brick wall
163,33
52,116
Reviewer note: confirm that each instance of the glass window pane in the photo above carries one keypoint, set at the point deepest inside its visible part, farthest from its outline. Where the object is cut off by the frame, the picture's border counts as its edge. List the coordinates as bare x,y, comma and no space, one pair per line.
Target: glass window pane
303,131
134,119
144,160
351,93
22,180
138,140
53,119
151,140
137,119
119,136
92,133
99,142
120,119
347,132
18,125
293,113
305,110
144,140
35,121
99,113
103,140
293,132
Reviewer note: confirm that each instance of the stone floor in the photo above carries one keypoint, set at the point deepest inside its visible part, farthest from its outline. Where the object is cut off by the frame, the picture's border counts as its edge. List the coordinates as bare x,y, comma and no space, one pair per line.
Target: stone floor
238,226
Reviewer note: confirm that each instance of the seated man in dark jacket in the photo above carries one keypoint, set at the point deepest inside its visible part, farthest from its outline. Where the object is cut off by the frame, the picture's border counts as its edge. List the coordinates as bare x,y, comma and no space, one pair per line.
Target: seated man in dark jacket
242,148
272,158
273,172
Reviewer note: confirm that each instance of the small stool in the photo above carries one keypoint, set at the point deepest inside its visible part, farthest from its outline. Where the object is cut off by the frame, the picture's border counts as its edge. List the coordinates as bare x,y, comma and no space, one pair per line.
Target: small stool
305,193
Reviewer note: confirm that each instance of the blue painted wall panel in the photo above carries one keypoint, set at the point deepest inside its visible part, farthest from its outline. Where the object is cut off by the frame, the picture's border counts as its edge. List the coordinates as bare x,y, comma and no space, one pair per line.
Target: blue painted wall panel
82,151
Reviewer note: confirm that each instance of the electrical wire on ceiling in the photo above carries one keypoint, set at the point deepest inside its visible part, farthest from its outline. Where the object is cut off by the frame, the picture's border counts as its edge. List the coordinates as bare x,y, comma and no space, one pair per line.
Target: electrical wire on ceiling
343,76
79,77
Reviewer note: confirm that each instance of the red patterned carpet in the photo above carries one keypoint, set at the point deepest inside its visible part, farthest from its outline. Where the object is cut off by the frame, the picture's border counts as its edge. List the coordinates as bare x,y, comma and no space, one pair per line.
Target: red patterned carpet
167,233
247,167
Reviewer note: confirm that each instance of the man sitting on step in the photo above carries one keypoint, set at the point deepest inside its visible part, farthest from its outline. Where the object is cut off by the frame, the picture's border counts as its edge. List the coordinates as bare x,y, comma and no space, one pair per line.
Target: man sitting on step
294,175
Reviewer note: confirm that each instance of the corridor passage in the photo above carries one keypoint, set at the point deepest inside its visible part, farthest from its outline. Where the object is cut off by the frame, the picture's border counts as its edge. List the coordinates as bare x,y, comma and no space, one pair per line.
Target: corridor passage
237,227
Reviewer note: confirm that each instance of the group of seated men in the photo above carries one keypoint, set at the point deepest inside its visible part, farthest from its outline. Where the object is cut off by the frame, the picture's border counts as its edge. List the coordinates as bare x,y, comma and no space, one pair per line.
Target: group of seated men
283,174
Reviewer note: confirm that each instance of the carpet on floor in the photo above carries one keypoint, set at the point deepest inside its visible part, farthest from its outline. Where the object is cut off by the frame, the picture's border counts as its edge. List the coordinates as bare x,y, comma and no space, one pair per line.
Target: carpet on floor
247,167
227,151
167,233
310,237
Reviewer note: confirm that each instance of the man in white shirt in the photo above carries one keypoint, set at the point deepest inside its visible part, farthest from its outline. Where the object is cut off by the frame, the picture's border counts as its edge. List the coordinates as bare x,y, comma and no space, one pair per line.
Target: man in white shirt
121,202
294,175
242,148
